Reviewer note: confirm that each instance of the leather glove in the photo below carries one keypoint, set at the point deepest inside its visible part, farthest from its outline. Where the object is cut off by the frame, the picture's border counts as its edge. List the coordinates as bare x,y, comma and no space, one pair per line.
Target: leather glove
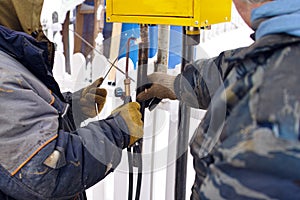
92,95
130,112
160,86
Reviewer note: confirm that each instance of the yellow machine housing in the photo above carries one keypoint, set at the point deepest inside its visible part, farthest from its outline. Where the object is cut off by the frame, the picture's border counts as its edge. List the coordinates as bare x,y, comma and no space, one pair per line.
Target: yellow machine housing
196,13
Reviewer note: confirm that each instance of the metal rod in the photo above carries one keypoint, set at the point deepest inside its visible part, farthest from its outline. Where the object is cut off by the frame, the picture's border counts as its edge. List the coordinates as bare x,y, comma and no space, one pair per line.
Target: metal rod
112,63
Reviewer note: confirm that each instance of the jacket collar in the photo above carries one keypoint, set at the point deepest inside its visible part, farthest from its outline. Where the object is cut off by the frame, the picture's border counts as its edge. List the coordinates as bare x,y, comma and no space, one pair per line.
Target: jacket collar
265,44
34,55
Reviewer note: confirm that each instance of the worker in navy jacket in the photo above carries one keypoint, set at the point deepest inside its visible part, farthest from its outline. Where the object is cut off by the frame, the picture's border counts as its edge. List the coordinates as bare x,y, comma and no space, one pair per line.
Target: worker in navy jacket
44,153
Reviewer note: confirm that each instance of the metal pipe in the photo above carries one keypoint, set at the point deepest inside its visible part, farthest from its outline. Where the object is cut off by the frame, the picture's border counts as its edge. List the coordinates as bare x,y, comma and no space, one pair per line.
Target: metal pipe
190,39
127,55
141,80
161,65
142,61
127,99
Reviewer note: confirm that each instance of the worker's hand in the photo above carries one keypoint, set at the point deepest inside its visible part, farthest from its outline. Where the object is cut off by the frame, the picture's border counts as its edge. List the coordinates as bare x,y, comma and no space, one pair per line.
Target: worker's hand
130,112
160,86
91,96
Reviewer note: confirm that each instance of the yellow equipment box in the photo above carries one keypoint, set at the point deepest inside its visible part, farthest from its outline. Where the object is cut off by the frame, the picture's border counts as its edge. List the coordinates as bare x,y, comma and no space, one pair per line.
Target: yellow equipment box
196,13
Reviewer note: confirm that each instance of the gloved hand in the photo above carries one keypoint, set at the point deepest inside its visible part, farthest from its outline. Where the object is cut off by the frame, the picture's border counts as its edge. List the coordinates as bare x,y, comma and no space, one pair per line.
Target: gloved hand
130,112
92,95
161,86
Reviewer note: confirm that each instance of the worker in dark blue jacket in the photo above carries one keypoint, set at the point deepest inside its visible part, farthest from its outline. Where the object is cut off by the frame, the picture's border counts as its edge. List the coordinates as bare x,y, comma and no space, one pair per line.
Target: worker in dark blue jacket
44,154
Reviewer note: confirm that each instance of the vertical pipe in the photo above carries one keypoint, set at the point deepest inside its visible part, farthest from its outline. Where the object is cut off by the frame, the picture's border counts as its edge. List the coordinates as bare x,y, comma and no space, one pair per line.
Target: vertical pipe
191,36
142,61
161,65
141,80
127,99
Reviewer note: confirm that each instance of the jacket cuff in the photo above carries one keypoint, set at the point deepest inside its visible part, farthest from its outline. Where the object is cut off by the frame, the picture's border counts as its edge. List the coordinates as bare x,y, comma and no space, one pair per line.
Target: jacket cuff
121,124
184,88
73,99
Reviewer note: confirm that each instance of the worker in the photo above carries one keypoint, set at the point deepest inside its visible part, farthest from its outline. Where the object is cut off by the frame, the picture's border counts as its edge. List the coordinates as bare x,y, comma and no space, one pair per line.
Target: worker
44,154
247,145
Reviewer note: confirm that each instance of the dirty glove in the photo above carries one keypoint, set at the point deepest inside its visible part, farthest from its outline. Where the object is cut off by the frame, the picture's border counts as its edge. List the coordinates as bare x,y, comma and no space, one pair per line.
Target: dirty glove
130,112
90,96
161,86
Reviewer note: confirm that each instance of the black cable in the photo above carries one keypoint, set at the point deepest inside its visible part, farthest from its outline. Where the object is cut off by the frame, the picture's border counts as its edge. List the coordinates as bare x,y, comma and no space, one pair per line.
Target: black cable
138,150
130,168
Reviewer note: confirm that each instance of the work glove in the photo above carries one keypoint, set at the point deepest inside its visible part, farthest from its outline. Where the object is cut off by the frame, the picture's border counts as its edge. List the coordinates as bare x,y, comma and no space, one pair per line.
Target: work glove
159,86
132,116
90,96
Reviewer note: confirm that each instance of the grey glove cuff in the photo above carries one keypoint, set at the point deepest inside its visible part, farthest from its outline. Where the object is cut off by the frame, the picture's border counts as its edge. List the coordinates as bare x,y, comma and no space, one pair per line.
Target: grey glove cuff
164,79
184,91
73,99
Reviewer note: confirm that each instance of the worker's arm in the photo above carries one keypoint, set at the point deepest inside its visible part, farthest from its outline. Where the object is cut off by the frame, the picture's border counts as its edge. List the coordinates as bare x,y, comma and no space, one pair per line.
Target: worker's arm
194,86
198,83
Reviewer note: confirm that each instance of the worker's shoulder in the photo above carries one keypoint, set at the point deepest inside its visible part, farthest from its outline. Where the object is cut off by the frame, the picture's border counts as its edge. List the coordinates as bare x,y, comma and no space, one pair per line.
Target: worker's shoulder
15,76
9,63
10,67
